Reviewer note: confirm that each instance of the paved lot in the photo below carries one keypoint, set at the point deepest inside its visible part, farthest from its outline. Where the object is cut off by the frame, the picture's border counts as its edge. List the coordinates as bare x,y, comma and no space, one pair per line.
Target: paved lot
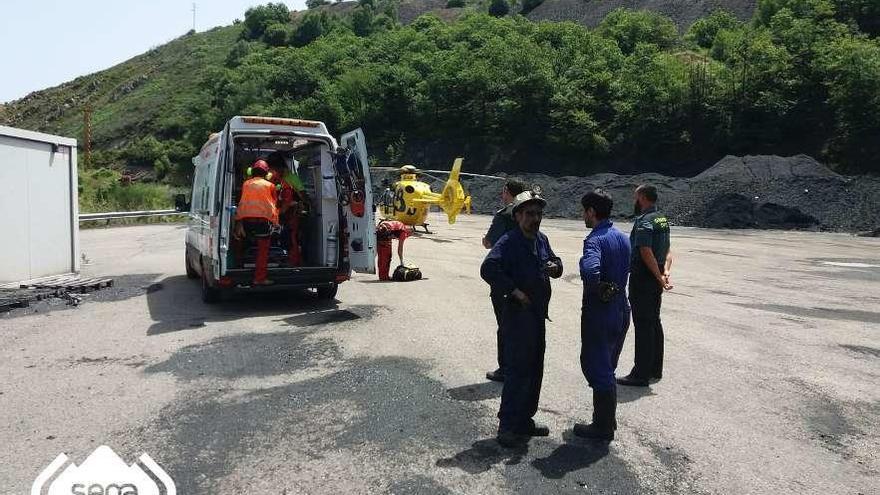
771,382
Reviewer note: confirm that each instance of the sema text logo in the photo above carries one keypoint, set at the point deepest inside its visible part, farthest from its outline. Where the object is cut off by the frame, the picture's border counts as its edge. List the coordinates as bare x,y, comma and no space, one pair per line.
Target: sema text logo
104,473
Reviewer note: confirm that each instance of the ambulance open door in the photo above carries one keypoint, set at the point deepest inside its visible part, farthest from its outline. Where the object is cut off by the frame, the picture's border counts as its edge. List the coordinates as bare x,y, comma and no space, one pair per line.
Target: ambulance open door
357,202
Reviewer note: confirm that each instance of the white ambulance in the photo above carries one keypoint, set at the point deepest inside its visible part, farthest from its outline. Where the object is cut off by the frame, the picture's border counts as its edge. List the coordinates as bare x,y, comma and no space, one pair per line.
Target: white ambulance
337,231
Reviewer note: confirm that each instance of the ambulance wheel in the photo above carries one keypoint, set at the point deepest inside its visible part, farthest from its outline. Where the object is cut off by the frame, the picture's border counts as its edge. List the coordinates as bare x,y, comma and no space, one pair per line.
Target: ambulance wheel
210,295
190,272
327,292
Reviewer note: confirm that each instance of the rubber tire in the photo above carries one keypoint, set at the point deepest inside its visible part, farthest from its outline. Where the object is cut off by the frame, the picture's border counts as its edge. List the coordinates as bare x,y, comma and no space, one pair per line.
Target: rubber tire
210,295
327,292
190,272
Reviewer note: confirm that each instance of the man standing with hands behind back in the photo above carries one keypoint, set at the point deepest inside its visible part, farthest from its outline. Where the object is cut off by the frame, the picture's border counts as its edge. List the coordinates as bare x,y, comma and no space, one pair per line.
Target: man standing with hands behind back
649,277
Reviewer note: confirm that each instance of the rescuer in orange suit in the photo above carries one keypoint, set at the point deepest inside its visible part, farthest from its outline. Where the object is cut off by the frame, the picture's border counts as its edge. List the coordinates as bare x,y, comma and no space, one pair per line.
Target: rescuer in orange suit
256,215
291,196
385,231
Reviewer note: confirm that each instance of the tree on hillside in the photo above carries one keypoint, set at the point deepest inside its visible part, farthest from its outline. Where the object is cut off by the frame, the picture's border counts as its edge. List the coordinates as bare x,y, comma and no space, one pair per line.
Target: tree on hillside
313,4
257,19
455,4
853,67
760,91
239,50
811,9
499,8
864,13
277,34
703,31
312,26
631,27
362,20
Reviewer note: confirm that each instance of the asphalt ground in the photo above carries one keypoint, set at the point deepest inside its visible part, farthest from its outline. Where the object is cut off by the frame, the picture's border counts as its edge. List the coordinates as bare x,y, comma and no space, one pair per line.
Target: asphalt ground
770,384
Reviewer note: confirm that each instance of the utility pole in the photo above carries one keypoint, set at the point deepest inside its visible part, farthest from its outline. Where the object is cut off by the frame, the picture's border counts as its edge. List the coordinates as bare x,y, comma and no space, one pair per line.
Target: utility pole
194,16
87,134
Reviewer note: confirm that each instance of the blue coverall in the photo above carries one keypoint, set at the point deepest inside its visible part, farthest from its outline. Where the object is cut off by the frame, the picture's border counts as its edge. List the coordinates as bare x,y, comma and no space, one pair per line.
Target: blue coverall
516,262
603,324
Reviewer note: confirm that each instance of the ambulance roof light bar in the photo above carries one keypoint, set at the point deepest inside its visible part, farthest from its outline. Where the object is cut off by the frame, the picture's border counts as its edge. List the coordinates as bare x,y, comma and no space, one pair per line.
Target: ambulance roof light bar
280,121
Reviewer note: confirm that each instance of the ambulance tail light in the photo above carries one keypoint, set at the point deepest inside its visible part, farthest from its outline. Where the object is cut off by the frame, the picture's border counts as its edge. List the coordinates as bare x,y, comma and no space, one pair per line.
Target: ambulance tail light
344,271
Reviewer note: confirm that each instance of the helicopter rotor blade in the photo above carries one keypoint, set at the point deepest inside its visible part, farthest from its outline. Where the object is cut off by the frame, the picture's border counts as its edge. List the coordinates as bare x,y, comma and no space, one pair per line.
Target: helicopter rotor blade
466,174
426,172
436,179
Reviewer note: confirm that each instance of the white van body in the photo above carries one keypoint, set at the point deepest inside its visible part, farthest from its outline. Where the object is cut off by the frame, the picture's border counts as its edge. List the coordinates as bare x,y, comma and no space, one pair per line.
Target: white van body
336,238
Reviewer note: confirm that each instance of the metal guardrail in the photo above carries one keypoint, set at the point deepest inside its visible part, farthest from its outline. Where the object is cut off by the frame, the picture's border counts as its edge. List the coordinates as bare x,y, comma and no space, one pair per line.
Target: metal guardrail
84,217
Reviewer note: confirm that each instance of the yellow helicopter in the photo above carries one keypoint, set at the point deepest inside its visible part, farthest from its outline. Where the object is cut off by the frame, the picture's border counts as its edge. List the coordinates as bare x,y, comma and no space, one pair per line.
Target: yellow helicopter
409,200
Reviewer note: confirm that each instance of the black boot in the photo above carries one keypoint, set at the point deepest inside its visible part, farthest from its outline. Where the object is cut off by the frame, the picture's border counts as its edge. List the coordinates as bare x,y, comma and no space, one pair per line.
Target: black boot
537,429
512,440
496,376
633,381
604,418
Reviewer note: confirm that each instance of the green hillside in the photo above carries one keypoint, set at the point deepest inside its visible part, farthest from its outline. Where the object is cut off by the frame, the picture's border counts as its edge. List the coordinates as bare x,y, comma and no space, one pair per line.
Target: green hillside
149,94
637,92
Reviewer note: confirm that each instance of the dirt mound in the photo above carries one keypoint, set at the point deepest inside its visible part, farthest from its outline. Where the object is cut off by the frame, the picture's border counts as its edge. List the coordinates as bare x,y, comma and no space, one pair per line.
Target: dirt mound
736,211
745,169
781,192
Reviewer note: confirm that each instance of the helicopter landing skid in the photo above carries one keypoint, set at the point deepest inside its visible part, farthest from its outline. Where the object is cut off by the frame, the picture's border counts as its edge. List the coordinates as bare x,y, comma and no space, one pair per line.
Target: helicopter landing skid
424,226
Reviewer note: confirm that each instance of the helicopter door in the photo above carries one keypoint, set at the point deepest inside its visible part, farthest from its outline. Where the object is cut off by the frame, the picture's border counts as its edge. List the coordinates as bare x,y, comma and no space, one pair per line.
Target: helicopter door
358,203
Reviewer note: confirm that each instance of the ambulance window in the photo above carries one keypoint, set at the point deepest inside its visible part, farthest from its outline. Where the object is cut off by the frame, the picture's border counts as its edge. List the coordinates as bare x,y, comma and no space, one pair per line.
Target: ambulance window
198,188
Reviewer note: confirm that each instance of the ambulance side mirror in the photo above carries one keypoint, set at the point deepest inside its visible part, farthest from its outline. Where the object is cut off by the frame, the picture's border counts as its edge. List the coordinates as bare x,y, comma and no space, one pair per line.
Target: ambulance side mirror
180,203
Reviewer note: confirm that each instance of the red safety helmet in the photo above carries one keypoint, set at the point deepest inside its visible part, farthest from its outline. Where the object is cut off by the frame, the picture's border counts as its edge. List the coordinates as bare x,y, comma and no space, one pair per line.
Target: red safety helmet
261,165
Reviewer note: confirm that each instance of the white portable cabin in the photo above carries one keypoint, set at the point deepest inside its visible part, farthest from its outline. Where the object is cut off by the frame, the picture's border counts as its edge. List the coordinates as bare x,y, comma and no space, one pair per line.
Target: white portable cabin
39,221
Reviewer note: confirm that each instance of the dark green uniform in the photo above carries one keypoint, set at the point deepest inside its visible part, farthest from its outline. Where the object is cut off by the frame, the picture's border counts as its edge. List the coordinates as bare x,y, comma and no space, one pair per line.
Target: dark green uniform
651,229
502,223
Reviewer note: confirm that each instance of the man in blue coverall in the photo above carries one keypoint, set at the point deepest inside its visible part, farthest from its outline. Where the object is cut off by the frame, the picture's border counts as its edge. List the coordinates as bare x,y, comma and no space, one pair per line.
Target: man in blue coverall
604,312
519,267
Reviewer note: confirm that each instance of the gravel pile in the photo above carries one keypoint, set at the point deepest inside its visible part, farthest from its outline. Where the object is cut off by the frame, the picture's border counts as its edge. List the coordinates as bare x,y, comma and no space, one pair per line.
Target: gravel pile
683,12
764,192
777,192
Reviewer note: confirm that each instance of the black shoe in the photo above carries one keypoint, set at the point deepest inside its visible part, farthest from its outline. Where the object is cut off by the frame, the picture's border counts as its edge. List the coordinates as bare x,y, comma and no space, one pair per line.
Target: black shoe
496,376
632,381
511,440
593,432
539,430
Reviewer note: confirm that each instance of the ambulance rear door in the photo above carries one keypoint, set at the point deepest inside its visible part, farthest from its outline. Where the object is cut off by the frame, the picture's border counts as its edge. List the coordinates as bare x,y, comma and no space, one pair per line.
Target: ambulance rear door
357,202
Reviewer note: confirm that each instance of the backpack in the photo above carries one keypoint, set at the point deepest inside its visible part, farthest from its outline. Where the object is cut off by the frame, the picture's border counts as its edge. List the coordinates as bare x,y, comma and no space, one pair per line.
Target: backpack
406,273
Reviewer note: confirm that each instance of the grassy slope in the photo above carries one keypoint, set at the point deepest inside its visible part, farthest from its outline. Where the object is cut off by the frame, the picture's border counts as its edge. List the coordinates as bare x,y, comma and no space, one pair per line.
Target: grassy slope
131,98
